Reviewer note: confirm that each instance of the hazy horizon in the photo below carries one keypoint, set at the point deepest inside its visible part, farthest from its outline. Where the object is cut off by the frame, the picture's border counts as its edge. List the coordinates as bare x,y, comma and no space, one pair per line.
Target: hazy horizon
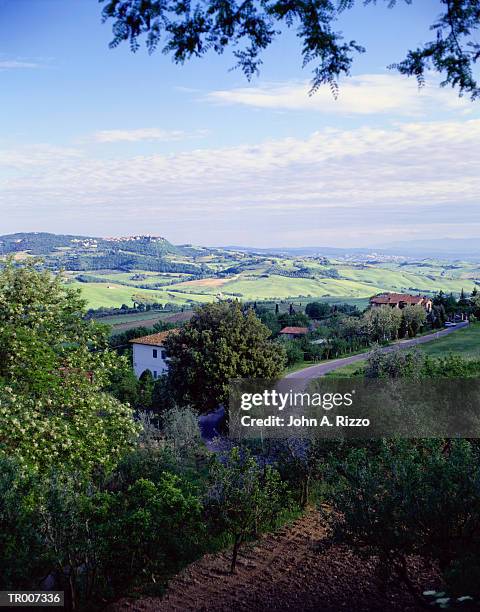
446,242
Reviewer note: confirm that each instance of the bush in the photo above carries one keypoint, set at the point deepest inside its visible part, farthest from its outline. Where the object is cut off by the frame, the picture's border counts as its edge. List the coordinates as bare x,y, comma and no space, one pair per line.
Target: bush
180,428
78,427
94,541
22,555
413,498
450,366
317,310
394,364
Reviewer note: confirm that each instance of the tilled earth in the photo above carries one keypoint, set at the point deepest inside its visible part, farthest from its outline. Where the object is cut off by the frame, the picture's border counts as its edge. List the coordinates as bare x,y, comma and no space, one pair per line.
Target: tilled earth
295,568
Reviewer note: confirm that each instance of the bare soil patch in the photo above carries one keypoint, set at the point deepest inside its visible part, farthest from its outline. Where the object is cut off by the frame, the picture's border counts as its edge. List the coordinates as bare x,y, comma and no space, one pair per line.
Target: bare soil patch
204,282
296,568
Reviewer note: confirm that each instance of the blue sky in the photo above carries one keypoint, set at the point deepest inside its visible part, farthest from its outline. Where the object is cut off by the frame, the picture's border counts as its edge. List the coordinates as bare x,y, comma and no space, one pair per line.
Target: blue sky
106,142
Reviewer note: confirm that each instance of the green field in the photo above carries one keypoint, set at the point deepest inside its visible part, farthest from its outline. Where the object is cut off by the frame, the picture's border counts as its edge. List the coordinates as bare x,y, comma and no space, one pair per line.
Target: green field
464,342
123,270
256,284
113,295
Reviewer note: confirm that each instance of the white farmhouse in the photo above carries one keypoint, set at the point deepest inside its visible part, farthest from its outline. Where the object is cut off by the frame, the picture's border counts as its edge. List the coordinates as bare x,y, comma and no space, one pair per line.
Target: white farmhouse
149,354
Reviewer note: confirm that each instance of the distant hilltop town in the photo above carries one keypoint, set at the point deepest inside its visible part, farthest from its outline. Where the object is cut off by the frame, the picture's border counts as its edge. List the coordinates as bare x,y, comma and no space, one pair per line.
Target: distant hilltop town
145,238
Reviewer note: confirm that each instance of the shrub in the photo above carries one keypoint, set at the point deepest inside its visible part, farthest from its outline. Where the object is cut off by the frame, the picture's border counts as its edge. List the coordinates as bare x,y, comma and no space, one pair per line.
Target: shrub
393,364
293,350
180,428
413,498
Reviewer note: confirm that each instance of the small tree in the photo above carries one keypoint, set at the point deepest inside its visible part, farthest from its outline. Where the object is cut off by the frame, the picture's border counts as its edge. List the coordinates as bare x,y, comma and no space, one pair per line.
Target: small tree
293,350
145,389
292,318
268,318
475,300
244,498
383,323
317,310
180,428
413,319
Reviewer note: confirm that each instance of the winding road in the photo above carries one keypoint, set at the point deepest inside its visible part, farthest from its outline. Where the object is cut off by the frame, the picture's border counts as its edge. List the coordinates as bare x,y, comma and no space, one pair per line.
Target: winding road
316,371
210,423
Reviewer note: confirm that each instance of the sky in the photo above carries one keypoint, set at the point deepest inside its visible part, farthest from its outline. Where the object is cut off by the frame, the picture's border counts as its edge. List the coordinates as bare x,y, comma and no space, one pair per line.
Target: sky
104,142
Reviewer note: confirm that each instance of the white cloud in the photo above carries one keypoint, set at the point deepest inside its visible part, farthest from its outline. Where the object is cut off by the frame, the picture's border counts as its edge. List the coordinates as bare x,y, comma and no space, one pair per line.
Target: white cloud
16,64
360,95
25,159
144,134
333,186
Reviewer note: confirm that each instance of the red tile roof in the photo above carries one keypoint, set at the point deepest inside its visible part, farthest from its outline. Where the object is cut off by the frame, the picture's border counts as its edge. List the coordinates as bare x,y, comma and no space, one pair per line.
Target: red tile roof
294,330
396,298
154,339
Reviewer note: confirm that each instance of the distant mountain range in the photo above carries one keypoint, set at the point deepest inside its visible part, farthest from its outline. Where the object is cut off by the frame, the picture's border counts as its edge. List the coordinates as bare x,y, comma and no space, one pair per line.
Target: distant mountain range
458,248
448,248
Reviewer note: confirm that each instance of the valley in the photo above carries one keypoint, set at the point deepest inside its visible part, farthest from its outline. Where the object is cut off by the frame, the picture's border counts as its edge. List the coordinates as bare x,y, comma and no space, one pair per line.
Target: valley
111,272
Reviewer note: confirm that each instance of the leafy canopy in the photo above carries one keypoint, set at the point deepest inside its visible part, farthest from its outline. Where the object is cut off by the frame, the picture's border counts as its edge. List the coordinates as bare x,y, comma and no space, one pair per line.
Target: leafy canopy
244,498
54,371
187,29
413,497
220,343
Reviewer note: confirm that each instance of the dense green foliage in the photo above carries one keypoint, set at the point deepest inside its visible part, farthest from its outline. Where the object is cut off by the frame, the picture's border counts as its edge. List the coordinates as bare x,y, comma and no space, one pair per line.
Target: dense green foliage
98,537
220,343
104,506
244,498
401,498
94,540
415,365
54,369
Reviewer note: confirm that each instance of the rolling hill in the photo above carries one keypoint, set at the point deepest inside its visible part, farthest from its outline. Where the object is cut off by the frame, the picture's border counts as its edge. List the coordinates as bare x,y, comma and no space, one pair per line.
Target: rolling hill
116,271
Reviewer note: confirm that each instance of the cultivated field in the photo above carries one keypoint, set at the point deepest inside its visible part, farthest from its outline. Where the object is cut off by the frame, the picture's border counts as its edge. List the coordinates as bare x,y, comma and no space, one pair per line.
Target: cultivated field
112,272
254,283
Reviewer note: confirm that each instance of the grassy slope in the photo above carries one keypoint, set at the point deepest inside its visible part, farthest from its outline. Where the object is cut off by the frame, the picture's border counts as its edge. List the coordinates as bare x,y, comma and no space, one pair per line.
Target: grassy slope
400,281
103,294
465,342
254,282
255,287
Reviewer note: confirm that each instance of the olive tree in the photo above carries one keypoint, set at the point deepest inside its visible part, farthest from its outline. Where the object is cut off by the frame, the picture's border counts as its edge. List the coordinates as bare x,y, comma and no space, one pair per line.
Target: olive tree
413,497
414,317
244,497
382,323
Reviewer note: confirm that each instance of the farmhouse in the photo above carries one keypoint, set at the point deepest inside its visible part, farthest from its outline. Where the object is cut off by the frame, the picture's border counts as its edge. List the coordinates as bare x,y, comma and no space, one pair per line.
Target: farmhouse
149,354
293,332
400,300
